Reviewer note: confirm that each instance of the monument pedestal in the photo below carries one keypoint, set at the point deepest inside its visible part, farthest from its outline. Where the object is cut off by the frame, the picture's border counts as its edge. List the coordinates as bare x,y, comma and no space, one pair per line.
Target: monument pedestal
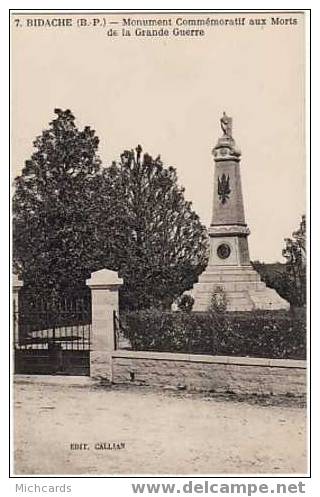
242,286
229,264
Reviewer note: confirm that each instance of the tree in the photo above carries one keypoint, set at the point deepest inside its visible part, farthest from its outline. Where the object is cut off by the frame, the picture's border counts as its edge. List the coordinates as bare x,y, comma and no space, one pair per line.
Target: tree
55,236
159,245
72,217
288,279
295,255
276,276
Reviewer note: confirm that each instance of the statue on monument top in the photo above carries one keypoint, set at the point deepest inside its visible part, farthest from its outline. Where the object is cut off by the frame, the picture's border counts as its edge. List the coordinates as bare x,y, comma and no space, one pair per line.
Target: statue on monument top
226,125
226,144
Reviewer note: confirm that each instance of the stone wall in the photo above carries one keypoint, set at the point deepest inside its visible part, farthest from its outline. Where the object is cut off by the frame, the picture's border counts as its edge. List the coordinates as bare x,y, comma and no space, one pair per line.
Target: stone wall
240,375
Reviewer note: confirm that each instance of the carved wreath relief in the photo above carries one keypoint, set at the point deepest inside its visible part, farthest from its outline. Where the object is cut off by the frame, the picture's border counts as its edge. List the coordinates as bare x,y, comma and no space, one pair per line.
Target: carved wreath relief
224,188
223,251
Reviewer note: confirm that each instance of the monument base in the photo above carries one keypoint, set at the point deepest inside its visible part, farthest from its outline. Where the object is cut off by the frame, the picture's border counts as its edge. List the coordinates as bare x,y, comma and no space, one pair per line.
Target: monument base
243,288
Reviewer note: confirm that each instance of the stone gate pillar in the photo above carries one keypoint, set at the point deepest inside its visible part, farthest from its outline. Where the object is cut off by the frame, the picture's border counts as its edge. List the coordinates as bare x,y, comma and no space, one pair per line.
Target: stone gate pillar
16,285
104,286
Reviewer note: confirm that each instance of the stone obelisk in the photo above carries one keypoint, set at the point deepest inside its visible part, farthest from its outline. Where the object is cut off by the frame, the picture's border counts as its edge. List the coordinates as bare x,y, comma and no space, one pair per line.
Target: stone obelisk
229,264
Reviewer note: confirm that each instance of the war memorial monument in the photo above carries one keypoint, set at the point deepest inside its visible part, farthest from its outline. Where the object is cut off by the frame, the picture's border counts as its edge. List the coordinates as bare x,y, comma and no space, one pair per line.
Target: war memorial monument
229,266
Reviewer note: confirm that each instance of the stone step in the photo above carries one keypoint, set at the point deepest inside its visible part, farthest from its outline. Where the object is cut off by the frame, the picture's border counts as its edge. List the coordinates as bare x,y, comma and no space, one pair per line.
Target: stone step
242,285
238,301
268,299
229,286
229,269
221,277
240,306
243,306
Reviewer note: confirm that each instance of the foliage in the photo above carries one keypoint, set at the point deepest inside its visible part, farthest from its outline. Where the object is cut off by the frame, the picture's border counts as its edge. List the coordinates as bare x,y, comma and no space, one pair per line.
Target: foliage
271,334
218,302
72,217
276,276
288,279
55,236
295,254
217,314
160,246
185,303
44,308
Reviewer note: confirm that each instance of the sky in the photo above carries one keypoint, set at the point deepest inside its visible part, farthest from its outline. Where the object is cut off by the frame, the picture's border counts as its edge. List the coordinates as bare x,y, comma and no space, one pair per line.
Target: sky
168,95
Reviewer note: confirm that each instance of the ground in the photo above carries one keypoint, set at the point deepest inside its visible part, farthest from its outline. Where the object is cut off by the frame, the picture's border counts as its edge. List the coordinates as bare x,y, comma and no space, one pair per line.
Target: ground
164,432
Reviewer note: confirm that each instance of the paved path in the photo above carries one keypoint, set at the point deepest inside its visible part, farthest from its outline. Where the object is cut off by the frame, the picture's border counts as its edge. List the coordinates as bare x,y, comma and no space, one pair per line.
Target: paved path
163,432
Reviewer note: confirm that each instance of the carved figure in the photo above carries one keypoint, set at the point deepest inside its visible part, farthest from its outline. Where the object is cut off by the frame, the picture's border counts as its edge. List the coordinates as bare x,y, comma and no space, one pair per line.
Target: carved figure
226,125
224,189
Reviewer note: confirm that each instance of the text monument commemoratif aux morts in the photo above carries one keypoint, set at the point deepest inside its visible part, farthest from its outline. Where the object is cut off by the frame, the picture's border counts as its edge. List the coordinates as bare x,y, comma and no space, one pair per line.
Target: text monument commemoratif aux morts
229,265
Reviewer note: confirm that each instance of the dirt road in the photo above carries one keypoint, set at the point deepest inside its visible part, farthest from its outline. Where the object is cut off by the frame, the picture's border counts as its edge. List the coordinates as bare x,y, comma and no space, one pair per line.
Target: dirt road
139,431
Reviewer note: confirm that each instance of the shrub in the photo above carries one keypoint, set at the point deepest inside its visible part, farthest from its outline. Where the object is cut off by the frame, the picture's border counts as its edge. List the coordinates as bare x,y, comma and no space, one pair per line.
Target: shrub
185,303
218,301
267,334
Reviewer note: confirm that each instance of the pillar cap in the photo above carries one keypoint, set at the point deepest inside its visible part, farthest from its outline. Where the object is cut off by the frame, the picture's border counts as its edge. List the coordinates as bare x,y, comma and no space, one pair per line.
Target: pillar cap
16,283
226,149
104,278
228,230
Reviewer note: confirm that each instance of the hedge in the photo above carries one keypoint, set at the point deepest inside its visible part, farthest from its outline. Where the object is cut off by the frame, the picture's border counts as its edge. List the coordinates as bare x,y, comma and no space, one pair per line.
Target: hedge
270,334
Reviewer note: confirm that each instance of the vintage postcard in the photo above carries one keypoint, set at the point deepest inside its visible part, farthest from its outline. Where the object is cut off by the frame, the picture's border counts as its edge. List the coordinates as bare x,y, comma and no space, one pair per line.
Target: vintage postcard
159,260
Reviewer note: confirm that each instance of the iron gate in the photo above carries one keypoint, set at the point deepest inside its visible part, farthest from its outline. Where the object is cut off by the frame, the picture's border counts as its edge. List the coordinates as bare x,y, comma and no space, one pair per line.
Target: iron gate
52,333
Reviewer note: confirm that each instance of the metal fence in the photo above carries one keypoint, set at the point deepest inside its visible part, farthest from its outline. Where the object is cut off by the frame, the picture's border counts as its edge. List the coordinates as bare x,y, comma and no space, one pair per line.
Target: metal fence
52,332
